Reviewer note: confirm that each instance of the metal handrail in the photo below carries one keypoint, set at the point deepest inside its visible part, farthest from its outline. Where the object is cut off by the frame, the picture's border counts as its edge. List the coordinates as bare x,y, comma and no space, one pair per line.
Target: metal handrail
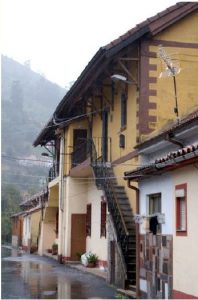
104,169
118,205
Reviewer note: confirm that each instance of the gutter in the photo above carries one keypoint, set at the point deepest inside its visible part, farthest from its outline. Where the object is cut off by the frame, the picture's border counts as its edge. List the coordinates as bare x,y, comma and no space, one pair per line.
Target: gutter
170,138
137,238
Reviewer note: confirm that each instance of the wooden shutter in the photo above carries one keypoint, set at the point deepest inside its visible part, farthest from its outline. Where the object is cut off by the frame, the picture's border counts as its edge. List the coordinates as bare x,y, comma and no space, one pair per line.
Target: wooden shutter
123,110
103,219
182,214
88,220
181,209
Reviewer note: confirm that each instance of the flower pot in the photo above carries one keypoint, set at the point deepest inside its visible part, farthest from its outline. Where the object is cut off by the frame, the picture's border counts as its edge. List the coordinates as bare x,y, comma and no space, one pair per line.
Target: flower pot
91,265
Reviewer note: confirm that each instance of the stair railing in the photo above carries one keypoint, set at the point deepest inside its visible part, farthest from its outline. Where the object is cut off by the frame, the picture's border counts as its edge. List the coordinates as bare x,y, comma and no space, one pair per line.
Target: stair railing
104,180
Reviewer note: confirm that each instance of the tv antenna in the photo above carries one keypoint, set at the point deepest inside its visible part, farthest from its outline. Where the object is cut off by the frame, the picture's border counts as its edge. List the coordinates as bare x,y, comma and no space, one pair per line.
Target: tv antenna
171,70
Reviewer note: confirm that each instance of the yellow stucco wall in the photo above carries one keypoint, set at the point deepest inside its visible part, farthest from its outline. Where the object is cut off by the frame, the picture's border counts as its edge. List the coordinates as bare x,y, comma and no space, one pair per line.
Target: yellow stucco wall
48,228
53,196
186,58
185,248
185,30
35,220
68,148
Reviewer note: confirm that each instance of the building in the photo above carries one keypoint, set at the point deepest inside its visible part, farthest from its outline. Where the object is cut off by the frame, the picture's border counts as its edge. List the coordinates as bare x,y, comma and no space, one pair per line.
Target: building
167,182
128,90
32,214
17,229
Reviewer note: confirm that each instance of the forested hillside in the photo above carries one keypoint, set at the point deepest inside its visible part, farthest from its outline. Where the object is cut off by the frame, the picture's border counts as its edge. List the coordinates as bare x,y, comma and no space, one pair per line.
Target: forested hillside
27,101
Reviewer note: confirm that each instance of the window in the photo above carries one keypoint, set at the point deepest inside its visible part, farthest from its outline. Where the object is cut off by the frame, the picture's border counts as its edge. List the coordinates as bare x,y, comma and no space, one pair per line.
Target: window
154,207
88,220
123,110
181,209
103,218
154,203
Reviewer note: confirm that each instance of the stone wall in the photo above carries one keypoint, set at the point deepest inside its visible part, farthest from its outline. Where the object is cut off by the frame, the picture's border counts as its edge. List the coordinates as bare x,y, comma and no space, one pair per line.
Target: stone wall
156,266
115,273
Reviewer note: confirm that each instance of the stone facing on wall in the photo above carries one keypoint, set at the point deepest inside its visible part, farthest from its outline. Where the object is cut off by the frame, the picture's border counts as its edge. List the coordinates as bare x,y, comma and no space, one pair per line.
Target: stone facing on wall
115,272
156,267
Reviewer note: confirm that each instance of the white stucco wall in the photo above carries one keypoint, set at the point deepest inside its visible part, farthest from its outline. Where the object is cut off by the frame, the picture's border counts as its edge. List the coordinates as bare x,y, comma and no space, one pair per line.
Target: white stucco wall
75,199
185,248
26,230
77,194
158,184
95,243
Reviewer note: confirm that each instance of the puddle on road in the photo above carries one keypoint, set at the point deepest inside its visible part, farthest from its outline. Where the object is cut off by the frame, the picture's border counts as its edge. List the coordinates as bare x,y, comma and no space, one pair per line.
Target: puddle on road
28,277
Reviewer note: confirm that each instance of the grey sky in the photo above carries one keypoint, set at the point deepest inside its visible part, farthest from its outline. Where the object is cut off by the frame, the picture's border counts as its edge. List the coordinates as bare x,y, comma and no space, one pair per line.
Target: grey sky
61,36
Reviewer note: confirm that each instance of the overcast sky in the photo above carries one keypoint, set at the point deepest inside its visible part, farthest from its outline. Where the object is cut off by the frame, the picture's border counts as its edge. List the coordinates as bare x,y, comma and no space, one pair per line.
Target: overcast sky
60,37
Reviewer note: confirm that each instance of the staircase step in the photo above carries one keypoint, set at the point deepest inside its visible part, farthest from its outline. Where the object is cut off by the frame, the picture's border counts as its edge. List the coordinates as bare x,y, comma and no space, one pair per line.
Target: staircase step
131,267
122,196
120,188
128,214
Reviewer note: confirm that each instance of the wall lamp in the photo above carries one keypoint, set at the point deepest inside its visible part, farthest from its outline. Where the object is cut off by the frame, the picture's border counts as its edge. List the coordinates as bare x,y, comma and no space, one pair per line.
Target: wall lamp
46,154
118,77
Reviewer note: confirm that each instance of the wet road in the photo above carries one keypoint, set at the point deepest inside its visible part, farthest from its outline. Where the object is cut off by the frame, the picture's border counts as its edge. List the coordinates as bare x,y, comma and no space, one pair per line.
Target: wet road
26,276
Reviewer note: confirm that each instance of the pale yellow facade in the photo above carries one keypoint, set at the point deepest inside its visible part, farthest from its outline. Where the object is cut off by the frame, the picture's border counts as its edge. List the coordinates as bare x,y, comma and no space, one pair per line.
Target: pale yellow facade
35,221
185,248
183,53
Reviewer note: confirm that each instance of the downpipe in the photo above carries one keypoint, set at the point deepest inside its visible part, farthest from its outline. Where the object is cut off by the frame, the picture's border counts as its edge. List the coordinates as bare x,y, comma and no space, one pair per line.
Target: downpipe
137,239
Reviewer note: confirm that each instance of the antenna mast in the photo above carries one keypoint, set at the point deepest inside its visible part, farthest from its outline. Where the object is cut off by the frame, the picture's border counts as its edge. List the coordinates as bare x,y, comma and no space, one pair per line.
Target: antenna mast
171,70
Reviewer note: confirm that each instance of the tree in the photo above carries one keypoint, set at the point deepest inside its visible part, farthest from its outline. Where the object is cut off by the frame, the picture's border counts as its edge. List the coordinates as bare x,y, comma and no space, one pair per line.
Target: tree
10,200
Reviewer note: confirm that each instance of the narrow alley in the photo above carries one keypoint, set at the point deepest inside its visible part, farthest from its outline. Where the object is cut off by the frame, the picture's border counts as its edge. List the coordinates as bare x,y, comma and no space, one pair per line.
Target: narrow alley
27,276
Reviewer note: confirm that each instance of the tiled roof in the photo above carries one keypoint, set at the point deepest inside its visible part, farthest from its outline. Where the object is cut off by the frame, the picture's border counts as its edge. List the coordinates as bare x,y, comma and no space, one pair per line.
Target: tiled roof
34,198
165,163
97,64
158,22
178,153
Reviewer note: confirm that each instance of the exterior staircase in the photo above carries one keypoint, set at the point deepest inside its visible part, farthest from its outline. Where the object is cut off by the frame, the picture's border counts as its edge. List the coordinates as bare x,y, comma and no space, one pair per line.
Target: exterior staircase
122,216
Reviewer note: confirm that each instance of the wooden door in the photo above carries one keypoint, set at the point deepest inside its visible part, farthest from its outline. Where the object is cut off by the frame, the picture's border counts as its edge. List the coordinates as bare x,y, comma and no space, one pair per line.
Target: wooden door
79,146
78,235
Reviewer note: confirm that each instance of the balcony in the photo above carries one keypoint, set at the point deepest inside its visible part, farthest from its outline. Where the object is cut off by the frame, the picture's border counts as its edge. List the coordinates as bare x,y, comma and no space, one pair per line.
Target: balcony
89,149
53,172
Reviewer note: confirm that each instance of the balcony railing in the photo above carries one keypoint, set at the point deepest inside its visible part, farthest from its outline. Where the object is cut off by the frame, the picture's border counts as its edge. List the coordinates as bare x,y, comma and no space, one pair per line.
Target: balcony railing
53,172
80,154
85,150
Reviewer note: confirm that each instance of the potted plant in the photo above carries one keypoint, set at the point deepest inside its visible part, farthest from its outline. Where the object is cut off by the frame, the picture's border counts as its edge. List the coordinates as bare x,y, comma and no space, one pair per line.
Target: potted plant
54,249
92,260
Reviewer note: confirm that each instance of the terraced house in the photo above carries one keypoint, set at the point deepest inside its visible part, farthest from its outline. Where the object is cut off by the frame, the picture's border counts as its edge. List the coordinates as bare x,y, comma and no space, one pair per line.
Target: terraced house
131,87
168,194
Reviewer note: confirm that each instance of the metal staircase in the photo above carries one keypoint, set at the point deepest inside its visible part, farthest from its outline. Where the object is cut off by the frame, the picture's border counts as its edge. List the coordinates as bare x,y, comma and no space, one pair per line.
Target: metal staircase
122,216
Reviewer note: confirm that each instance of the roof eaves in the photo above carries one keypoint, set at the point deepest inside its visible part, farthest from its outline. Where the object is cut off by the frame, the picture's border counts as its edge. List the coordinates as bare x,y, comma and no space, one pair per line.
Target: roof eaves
46,134
121,43
171,15
80,80
187,155
187,121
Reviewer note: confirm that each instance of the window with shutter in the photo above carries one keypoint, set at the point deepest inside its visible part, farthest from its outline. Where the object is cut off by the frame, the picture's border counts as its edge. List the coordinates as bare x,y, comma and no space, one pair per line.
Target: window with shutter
88,220
123,110
155,207
103,218
181,209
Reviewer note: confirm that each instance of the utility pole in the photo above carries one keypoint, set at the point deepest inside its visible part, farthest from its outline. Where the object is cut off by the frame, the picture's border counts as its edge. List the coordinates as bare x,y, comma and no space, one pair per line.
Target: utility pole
171,70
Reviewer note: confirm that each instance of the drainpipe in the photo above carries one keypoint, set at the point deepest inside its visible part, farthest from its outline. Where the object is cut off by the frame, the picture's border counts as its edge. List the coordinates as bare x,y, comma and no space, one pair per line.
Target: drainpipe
170,137
137,239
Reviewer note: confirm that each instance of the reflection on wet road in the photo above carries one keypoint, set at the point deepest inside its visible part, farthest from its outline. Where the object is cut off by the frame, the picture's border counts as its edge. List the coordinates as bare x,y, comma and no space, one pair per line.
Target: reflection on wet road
33,277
